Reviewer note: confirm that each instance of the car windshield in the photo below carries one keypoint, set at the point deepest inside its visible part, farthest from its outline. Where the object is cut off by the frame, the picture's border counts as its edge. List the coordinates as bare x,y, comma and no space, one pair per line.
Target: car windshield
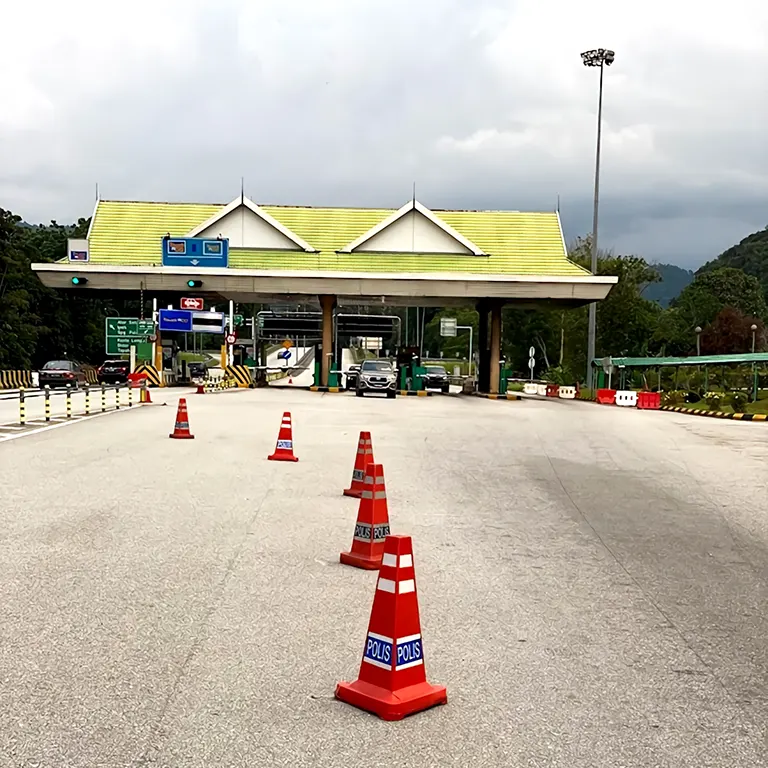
377,365
58,365
435,369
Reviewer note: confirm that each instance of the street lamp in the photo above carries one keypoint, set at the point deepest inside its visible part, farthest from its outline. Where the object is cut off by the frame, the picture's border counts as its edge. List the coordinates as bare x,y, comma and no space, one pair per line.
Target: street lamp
753,328
698,340
600,57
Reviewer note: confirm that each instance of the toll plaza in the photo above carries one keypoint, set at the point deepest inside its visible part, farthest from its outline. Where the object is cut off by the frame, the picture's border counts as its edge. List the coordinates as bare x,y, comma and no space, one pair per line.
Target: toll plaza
329,259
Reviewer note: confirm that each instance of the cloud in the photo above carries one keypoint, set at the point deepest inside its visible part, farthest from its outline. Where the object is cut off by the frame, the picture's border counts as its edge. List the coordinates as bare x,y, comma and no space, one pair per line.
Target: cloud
482,104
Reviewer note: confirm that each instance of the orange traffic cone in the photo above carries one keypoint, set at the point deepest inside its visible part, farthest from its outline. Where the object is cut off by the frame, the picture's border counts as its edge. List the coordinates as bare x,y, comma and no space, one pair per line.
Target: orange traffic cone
372,525
284,448
181,430
392,682
362,459
201,389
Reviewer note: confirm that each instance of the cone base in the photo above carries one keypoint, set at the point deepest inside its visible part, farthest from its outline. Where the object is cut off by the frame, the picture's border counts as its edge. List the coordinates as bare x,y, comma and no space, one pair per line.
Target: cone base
181,437
279,457
372,563
388,705
353,492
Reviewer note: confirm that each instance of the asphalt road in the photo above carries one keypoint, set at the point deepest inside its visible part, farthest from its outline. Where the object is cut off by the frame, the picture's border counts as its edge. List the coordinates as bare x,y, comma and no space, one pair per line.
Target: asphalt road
592,585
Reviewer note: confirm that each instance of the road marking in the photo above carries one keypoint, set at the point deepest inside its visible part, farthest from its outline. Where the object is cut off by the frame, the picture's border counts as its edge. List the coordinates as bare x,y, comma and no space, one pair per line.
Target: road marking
68,422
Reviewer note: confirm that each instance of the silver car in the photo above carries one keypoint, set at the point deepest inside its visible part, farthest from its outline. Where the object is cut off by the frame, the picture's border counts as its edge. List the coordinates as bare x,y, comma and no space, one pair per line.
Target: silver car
376,376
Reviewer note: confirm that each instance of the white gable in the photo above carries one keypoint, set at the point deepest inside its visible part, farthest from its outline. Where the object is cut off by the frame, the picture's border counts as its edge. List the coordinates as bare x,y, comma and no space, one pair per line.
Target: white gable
248,226
247,230
413,229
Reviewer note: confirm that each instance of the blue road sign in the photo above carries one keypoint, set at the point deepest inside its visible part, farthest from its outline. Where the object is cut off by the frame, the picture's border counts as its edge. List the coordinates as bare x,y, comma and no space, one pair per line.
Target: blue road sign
195,252
175,320
284,354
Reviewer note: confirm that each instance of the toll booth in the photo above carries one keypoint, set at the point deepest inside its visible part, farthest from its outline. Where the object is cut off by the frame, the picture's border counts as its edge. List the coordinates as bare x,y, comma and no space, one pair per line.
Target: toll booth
409,369
334,377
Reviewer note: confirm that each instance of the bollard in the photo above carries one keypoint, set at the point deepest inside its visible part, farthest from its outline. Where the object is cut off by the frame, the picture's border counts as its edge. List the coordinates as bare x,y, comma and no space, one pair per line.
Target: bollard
103,397
143,393
87,399
47,403
69,402
130,396
22,407
117,397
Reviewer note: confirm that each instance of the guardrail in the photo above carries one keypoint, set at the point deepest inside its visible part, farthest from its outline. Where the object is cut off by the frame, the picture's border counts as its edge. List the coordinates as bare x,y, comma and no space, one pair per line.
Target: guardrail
70,403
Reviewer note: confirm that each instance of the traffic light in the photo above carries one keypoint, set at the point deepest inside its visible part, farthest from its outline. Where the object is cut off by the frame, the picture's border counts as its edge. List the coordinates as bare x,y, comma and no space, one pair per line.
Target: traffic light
194,283
79,280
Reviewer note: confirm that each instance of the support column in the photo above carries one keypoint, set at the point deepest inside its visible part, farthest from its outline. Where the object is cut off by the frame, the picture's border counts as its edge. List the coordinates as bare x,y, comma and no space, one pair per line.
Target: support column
495,353
327,303
483,372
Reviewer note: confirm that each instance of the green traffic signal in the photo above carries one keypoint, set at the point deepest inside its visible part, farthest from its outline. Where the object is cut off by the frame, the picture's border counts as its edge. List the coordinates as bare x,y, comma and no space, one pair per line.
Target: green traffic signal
194,283
79,280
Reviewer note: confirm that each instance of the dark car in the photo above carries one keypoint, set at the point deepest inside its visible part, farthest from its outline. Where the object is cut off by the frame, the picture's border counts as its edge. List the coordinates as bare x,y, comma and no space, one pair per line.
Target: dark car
113,372
61,373
352,373
377,376
436,377
197,370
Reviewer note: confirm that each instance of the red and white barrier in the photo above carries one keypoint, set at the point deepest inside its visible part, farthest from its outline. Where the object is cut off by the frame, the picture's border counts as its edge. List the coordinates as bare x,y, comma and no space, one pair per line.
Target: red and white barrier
626,398
567,393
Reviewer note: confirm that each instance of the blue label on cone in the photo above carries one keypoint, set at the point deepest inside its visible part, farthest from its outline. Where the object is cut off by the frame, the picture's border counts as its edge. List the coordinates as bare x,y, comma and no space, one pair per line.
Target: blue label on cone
409,653
285,444
378,651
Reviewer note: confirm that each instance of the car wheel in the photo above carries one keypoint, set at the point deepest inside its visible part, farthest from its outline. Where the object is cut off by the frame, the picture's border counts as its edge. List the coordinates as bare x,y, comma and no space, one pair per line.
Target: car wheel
359,392
446,390
391,395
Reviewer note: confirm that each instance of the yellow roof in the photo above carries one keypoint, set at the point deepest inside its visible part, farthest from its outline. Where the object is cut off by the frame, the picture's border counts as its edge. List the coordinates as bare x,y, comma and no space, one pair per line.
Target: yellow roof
129,233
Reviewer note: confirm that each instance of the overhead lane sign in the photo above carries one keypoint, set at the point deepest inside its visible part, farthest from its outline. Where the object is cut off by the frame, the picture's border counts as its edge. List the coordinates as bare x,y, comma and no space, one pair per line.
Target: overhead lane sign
195,252
175,320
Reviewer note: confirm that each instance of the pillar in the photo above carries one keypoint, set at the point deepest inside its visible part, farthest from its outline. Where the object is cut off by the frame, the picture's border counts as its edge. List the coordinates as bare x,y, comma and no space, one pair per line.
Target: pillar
327,303
495,353
483,377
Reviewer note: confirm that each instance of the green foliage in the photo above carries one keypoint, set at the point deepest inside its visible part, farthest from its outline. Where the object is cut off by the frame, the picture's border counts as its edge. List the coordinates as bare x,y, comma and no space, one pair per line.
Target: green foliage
738,401
750,255
673,397
714,290
559,375
713,400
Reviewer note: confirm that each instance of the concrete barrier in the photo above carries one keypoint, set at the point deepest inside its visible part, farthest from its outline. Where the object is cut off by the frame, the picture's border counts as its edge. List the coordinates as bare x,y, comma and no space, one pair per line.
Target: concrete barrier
541,390
626,398
567,393
15,379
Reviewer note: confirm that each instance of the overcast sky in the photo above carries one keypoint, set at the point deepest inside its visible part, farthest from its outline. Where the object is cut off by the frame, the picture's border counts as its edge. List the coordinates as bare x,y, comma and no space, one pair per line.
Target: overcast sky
483,103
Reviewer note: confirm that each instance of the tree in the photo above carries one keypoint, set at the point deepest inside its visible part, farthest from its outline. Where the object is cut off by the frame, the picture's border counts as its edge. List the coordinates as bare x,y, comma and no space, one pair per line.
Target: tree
750,256
731,333
712,291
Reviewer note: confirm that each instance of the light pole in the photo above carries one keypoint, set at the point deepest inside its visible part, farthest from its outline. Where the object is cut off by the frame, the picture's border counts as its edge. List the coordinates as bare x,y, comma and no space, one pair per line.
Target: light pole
600,57
698,340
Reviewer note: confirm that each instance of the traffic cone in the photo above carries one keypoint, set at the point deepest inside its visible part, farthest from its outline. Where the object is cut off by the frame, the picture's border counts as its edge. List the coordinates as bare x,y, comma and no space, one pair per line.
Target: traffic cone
392,682
362,459
284,448
372,525
201,389
181,430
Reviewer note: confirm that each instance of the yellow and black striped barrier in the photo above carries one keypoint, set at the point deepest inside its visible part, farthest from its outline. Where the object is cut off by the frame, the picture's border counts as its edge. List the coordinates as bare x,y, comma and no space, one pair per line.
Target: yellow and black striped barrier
22,408
313,388
414,393
717,414
47,403
241,374
69,403
15,379
505,396
153,377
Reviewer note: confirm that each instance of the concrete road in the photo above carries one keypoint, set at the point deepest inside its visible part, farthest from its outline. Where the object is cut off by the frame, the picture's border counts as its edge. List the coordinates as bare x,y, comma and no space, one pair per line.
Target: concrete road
592,581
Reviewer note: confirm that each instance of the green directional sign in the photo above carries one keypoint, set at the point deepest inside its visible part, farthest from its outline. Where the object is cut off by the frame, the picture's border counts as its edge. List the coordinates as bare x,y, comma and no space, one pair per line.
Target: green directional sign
239,320
123,332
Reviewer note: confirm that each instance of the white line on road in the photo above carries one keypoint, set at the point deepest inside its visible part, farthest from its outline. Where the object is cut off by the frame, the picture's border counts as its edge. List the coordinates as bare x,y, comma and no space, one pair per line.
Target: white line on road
5,438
